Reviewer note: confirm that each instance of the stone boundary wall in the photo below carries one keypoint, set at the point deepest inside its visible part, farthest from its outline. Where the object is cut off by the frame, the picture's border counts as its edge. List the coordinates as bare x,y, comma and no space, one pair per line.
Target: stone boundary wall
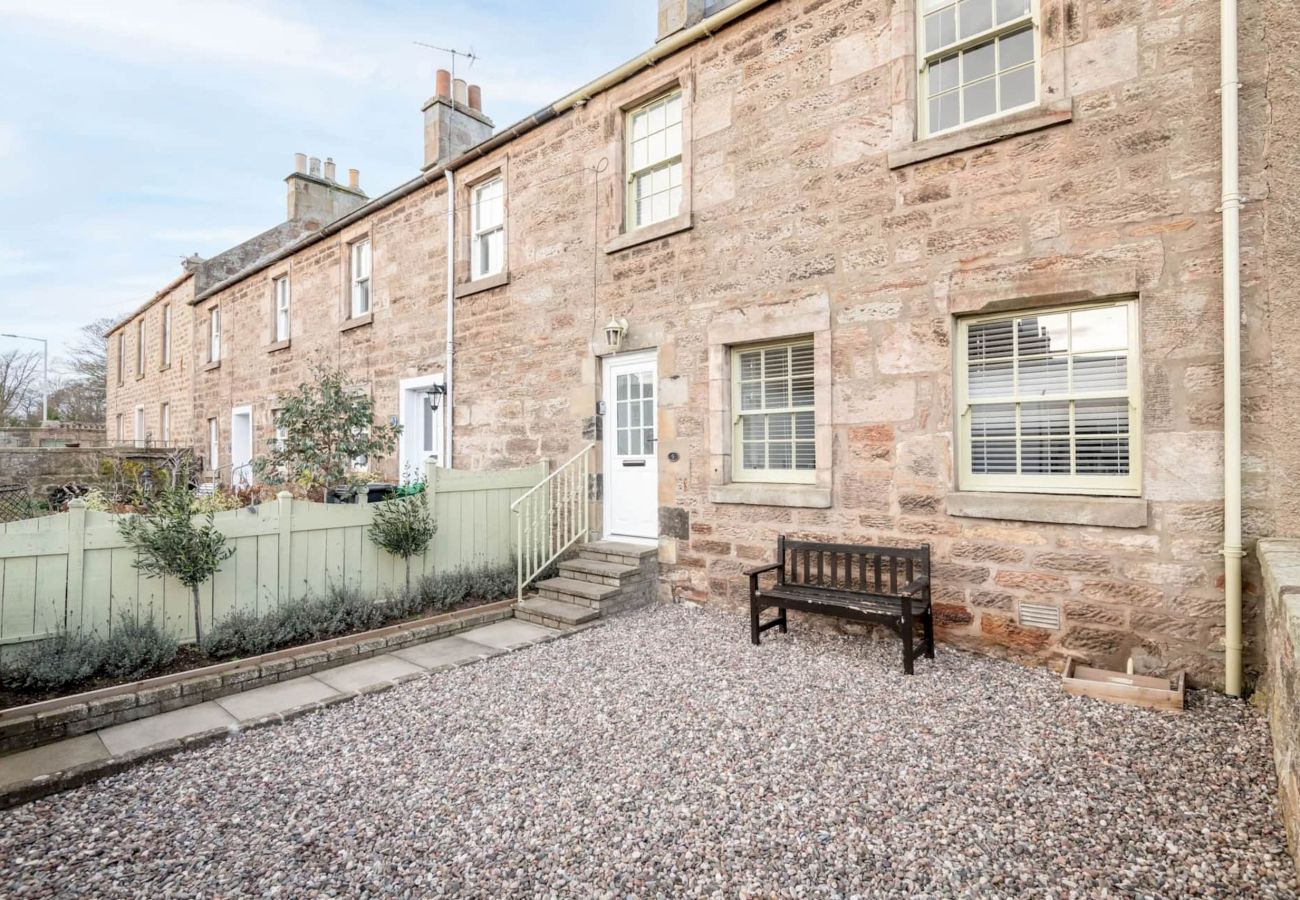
165,694
79,433
1280,562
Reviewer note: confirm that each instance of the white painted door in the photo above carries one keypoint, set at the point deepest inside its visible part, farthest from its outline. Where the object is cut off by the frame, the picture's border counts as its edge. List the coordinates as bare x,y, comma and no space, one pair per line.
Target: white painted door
241,446
141,439
630,436
421,415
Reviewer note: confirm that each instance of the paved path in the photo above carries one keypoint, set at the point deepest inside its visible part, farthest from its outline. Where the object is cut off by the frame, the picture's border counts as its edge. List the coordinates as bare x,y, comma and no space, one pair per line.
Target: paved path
230,712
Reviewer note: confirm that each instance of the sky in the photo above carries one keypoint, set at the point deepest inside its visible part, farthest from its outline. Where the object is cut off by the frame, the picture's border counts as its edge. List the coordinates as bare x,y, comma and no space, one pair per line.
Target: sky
137,132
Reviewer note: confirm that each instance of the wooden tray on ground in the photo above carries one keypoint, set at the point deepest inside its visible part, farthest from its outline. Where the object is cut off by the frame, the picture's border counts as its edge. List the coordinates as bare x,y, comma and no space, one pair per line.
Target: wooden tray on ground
1119,687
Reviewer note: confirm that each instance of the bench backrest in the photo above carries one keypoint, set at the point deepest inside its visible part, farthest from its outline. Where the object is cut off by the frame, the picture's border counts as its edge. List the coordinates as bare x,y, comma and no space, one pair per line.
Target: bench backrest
852,567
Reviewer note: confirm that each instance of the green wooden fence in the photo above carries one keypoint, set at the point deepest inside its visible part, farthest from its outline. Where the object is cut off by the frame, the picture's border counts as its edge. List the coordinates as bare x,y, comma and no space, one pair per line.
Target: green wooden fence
74,569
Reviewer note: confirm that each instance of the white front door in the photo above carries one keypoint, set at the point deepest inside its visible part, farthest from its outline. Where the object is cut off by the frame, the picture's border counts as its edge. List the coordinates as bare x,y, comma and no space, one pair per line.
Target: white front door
241,446
631,437
140,438
420,415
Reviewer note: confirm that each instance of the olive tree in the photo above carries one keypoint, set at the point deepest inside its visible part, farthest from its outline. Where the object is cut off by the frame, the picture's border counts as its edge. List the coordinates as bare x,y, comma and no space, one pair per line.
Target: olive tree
403,527
169,543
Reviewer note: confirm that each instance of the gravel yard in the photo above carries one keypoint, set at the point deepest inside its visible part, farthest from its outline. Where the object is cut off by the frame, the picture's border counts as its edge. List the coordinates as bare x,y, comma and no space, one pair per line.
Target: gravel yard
662,755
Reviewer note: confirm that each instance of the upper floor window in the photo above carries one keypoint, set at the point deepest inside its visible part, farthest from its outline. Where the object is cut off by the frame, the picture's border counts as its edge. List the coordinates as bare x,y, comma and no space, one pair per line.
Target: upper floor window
654,150
214,334
139,348
281,291
489,228
167,335
360,278
1049,401
978,60
121,356
773,396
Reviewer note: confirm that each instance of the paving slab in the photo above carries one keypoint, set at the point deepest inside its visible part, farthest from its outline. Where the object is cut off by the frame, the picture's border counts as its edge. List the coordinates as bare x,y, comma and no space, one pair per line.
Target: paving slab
275,698
169,726
363,674
446,651
51,758
509,633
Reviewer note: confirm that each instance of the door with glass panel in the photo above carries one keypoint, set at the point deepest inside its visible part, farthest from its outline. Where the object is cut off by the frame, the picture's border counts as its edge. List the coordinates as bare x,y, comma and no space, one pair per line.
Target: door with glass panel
631,438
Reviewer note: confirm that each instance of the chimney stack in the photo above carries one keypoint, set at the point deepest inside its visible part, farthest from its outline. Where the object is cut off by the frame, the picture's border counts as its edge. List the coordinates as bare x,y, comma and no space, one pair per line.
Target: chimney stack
317,199
677,15
453,120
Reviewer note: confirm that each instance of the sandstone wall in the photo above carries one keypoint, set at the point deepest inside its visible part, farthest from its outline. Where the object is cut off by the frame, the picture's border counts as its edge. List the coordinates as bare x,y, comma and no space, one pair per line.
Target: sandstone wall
1280,560
805,211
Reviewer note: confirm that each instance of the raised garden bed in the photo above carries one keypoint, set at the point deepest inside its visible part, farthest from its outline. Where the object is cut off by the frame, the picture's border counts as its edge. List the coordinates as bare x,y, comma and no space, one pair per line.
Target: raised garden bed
1120,687
36,724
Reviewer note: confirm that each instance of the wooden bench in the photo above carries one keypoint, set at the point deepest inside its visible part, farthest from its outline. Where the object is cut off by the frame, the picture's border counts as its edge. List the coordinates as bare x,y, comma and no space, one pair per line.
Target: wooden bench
885,585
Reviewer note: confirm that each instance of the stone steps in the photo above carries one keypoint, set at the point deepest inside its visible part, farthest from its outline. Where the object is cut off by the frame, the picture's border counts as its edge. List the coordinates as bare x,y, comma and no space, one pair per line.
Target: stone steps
604,578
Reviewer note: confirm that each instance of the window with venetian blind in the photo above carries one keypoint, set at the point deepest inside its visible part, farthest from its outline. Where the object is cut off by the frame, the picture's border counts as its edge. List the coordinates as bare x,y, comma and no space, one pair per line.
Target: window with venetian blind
1050,401
654,149
773,398
978,60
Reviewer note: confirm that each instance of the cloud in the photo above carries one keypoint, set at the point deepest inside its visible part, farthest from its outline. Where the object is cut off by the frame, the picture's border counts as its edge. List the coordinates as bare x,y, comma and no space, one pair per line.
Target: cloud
15,263
214,31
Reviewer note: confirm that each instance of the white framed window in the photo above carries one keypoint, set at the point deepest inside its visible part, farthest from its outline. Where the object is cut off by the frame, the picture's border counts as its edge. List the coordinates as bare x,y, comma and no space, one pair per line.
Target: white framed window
214,445
166,335
139,348
978,59
1049,401
214,334
121,360
165,423
281,294
488,225
360,278
120,435
281,431
773,399
654,161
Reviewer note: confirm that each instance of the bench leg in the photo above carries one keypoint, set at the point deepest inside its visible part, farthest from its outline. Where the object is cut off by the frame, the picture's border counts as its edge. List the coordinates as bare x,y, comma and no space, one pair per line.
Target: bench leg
928,624
781,610
753,623
905,630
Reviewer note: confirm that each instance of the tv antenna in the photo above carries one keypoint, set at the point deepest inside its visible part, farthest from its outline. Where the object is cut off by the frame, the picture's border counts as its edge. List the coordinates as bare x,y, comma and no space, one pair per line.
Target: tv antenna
454,53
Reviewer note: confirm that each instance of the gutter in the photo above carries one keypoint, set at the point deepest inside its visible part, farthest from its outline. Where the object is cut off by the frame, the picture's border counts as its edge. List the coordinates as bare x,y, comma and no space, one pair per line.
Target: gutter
1231,210
668,46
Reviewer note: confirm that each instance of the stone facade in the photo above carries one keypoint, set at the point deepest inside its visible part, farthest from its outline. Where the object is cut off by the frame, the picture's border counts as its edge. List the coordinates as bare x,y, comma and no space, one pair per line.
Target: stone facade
1280,561
811,209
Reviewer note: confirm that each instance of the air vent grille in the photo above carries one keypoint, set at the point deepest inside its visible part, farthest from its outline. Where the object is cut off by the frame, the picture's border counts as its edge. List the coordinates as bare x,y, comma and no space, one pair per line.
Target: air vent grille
1040,615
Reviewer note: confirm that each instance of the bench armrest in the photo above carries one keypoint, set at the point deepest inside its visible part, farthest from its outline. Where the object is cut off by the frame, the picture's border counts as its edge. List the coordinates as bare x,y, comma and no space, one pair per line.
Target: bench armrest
914,587
763,569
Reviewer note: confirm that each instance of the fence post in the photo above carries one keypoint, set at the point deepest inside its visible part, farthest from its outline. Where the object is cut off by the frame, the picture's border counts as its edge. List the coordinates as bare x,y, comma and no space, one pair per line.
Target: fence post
73,602
284,551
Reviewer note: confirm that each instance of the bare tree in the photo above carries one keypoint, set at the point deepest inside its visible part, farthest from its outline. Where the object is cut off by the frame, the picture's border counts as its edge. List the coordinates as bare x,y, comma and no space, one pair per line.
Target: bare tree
80,396
20,385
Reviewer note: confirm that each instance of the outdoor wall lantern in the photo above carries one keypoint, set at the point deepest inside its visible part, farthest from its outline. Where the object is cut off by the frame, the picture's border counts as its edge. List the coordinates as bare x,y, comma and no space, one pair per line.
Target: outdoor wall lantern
615,331
435,393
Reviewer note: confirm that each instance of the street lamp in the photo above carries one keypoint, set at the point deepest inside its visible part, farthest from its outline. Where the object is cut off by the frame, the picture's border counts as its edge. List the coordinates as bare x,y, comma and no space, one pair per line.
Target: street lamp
45,375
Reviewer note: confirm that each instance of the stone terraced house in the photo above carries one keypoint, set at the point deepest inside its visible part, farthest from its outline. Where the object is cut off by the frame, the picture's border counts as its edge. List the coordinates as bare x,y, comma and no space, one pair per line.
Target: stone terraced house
864,270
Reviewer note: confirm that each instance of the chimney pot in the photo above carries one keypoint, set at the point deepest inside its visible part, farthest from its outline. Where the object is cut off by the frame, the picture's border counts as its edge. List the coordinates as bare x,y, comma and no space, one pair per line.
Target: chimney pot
329,169
444,83
354,179
475,98
300,163
460,92
313,167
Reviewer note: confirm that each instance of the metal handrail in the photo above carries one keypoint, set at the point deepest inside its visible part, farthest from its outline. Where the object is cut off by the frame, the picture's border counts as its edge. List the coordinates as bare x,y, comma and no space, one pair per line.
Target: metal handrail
552,517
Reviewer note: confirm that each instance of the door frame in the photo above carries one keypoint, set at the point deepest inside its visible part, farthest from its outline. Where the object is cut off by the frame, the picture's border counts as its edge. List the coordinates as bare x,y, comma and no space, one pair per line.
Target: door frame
608,440
235,413
405,386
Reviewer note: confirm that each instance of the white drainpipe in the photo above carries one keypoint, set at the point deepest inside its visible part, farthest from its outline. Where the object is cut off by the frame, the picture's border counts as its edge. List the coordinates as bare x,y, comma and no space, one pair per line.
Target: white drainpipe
1231,209
448,401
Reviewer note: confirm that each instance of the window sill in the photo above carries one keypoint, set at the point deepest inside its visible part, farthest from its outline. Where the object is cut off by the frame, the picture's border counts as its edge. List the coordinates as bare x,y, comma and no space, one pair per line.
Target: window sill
278,346
486,283
140,376
357,322
753,494
1055,113
165,368
1059,509
215,364
650,233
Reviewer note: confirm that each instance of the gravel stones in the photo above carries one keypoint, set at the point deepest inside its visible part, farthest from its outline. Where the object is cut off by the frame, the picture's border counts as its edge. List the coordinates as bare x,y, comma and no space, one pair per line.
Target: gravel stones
662,755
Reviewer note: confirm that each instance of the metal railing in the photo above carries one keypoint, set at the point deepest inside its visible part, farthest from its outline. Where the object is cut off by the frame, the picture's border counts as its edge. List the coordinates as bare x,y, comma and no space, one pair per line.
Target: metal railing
552,517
